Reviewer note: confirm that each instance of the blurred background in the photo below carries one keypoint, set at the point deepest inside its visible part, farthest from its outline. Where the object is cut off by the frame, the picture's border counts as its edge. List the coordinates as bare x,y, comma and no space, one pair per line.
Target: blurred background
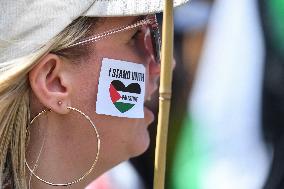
227,111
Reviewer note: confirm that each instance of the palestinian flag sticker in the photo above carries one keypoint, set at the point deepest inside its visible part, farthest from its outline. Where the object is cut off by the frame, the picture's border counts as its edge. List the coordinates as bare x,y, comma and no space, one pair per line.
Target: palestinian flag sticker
121,89
122,97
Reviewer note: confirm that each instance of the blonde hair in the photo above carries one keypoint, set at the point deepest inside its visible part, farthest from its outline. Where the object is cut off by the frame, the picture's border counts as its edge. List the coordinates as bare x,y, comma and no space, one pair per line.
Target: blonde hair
14,101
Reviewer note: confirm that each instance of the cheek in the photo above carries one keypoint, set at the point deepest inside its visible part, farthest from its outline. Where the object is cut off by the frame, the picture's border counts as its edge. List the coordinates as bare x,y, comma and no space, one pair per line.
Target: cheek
120,51
120,136
147,79
123,137
85,85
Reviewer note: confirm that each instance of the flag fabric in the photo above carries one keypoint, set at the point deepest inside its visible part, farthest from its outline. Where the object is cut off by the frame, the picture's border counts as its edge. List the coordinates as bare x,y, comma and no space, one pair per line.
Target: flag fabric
221,143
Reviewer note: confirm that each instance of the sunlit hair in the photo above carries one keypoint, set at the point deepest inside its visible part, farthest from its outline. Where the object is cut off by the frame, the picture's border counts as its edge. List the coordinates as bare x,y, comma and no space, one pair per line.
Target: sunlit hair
14,100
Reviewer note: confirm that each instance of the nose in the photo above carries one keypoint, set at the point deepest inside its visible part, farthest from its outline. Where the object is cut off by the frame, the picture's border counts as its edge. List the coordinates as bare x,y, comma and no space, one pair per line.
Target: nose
154,67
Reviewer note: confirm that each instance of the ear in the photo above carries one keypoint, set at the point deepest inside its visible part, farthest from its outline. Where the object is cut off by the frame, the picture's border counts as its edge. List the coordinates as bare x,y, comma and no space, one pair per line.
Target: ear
51,83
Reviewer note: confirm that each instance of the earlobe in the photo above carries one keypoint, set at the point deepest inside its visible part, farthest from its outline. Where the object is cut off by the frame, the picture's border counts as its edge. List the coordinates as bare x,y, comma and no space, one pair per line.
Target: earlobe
50,83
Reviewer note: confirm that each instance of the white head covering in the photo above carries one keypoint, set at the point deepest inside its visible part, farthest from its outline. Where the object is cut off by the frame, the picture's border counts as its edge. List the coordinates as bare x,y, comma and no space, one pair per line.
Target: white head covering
26,25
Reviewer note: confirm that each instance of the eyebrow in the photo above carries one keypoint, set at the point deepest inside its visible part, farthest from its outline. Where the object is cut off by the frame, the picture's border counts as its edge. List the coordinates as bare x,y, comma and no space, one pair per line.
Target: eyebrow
135,23
139,18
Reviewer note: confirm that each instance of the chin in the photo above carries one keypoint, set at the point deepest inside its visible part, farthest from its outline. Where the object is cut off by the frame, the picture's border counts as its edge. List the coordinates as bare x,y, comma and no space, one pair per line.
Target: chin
140,145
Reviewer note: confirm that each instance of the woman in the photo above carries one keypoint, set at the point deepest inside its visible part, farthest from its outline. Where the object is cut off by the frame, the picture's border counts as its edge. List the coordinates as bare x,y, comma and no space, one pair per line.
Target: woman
74,76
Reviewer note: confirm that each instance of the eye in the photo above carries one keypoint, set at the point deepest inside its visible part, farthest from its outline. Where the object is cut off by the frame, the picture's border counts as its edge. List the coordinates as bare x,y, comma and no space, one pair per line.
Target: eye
136,42
136,37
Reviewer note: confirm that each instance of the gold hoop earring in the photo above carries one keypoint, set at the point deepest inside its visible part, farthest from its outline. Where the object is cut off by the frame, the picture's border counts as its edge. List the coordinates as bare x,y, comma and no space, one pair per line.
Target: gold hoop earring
94,163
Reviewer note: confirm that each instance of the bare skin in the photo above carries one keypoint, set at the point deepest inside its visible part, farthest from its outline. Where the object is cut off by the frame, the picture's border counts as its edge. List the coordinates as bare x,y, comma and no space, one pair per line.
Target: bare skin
70,143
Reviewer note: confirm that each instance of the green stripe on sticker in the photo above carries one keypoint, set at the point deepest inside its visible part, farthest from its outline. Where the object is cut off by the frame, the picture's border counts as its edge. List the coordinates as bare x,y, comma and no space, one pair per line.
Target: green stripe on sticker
123,107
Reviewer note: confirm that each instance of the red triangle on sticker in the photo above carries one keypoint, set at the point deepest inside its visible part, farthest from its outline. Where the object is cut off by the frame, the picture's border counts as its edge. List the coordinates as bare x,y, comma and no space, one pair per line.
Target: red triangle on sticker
114,95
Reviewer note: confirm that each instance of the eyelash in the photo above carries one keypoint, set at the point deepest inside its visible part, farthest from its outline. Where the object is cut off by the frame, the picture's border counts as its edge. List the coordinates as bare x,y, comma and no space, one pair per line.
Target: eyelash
134,39
136,34
136,43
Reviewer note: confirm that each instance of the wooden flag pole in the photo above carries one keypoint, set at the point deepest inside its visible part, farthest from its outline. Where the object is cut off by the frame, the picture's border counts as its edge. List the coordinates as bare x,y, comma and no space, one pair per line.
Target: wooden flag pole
165,95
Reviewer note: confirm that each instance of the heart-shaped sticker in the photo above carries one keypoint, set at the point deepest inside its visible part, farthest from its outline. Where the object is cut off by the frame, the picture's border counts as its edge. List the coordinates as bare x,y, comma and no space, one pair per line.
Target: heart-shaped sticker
121,89
122,97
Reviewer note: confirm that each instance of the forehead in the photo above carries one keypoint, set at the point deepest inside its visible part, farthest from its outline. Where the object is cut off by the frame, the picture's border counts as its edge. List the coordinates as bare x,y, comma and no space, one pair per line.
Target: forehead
106,23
